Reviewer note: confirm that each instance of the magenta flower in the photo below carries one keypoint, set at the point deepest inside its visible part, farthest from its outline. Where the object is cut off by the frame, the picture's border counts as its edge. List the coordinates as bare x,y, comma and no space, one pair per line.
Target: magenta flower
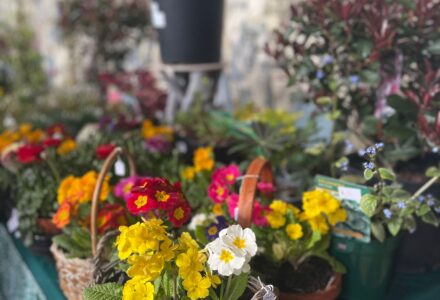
232,203
123,187
259,214
227,175
265,187
218,192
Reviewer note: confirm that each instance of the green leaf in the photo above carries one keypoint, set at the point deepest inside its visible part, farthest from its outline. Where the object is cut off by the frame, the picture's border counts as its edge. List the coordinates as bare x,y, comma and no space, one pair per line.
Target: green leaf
315,237
423,210
213,294
368,174
200,235
430,218
237,287
387,174
106,291
432,172
324,100
394,226
378,231
368,204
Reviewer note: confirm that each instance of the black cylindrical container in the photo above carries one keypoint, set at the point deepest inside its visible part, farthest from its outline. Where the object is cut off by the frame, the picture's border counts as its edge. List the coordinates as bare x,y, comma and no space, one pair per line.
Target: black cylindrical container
190,31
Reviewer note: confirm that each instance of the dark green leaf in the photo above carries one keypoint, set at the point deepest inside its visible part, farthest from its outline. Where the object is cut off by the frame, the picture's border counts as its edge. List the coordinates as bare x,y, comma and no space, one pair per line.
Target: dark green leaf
430,218
387,174
394,226
368,204
368,174
106,291
238,286
378,231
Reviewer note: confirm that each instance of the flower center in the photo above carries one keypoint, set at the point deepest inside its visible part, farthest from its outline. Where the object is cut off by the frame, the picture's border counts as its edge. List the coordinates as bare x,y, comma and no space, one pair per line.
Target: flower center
230,177
226,256
141,201
162,196
239,243
179,213
64,215
220,191
127,187
212,230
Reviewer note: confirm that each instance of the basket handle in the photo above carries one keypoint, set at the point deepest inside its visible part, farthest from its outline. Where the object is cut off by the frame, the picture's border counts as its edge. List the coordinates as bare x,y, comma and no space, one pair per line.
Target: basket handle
109,161
259,168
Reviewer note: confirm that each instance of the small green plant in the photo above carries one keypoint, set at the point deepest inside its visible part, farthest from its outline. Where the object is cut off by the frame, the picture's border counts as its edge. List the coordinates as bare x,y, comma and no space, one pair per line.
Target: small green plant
390,207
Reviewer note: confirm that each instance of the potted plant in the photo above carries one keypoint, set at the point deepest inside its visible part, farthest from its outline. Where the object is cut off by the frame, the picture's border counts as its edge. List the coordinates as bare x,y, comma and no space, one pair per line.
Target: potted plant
190,32
391,210
370,66
36,158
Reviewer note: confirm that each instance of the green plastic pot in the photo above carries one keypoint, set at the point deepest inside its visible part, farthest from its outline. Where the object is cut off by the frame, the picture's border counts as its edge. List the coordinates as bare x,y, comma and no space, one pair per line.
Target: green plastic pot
369,266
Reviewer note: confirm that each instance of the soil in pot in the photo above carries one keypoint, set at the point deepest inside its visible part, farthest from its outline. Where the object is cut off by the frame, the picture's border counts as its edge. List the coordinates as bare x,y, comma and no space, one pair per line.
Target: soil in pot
311,276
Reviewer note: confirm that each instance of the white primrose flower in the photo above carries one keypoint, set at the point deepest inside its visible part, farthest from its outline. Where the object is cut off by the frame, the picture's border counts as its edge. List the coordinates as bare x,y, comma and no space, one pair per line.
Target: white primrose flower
241,241
223,259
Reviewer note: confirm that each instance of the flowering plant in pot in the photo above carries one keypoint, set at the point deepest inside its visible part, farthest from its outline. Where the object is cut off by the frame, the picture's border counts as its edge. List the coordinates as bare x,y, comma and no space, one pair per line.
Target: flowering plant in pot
391,210
292,242
36,159
179,267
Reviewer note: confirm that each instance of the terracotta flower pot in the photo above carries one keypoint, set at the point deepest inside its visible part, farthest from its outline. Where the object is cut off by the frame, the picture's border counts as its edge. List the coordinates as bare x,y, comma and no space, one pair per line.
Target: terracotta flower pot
331,292
47,226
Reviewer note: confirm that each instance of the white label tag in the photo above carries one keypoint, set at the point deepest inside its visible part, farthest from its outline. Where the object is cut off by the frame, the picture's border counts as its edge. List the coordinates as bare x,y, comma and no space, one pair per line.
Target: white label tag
350,193
158,17
120,168
13,221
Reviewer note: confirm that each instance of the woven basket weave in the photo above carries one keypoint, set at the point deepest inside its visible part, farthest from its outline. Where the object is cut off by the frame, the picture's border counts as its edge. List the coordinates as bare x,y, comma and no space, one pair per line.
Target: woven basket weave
75,274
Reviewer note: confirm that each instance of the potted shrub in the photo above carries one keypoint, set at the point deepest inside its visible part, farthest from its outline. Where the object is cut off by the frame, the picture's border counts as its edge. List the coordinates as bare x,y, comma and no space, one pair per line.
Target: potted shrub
373,67
190,32
391,210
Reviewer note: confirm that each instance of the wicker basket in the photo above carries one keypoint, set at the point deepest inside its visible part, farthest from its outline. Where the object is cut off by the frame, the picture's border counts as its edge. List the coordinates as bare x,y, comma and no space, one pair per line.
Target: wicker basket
260,169
75,274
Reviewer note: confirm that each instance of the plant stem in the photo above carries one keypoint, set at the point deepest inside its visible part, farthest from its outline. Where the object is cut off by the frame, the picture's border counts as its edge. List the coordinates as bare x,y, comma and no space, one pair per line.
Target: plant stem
53,169
425,187
174,286
222,291
228,286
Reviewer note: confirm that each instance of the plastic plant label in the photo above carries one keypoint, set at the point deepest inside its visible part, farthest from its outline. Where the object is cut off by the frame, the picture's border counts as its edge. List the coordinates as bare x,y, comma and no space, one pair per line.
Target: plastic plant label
350,193
158,17
120,168
358,224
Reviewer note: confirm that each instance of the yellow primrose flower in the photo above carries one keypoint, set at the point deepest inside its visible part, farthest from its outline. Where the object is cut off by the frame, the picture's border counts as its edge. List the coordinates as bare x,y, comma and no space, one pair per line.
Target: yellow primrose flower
138,288
294,231
167,250
214,279
64,188
203,159
217,209
25,128
190,263
339,215
66,147
189,173
148,266
197,287
276,219
279,206
319,223
187,242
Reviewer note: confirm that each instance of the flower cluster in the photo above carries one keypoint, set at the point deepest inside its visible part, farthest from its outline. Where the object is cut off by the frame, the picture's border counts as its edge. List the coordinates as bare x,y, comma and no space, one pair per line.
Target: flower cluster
203,160
321,209
104,150
150,253
74,191
158,196
157,138
222,180
231,252
30,143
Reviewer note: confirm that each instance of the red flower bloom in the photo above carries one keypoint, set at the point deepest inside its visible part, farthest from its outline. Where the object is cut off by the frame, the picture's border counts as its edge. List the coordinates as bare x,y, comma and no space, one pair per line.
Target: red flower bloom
52,142
265,187
138,203
111,216
179,214
104,150
29,153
